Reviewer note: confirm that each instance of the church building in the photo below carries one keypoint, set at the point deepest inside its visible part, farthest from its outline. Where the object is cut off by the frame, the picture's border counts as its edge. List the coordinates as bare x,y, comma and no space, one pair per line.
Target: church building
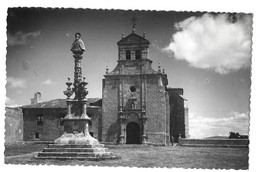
137,105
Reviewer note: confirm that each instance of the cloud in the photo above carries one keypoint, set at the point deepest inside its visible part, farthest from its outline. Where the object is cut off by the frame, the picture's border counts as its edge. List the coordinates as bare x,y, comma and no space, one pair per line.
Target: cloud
20,38
9,101
15,82
218,42
48,82
201,127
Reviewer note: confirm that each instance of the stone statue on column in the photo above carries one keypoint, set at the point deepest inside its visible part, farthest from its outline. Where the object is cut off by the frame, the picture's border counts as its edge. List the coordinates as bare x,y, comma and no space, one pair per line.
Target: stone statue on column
78,46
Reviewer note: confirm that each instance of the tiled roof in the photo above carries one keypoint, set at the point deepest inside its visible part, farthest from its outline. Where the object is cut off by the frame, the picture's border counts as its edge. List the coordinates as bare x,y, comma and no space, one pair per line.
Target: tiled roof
133,39
183,97
56,103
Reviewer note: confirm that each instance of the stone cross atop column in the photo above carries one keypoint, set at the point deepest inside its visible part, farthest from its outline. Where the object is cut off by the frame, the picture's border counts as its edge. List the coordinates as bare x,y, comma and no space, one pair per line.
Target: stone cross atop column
76,121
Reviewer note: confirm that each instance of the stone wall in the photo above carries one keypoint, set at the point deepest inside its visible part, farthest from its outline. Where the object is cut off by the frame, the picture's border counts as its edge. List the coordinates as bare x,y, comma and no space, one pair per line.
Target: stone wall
214,142
52,126
179,120
152,95
95,114
156,110
13,125
110,125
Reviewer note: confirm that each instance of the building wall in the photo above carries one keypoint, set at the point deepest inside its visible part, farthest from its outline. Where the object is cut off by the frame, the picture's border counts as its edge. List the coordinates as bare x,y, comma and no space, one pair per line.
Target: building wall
52,127
110,124
215,142
186,111
156,110
153,97
95,114
13,125
178,114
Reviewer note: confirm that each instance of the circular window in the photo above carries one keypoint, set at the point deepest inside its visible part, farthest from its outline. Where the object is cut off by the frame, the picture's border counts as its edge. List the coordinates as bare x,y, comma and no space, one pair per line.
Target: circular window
132,89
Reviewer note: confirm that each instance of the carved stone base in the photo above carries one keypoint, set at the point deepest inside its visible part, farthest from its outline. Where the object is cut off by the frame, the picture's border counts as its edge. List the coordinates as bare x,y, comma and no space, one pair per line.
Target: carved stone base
76,139
76,132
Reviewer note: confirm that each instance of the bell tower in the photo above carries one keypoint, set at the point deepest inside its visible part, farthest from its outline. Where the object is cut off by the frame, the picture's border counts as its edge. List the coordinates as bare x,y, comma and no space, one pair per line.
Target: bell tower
134,98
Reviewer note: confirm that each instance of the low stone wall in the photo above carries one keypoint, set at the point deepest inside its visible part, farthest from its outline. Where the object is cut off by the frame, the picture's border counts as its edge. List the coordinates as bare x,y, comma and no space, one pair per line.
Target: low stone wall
214,142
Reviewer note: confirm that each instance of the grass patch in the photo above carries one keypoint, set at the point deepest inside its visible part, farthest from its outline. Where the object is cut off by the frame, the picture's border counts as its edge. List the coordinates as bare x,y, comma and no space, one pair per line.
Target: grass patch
147,156
20,149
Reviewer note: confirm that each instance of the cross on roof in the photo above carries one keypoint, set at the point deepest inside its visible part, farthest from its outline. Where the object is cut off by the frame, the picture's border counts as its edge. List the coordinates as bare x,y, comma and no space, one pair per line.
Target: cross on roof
134,19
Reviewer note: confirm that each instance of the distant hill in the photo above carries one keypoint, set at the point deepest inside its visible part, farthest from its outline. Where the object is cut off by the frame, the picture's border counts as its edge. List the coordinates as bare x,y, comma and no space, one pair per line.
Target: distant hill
13,125
217,137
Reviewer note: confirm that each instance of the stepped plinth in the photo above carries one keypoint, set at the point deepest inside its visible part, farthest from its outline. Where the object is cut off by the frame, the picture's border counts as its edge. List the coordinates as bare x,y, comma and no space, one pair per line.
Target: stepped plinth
76,142
78,152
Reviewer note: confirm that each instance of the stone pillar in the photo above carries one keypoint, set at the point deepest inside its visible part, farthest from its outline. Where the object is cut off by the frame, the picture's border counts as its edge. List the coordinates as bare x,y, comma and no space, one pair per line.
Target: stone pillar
69,109
77,76
144,136
144,119
121,120
84,110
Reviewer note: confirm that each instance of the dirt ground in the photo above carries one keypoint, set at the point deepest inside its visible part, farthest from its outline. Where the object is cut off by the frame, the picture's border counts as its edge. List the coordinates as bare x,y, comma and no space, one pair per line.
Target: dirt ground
143,156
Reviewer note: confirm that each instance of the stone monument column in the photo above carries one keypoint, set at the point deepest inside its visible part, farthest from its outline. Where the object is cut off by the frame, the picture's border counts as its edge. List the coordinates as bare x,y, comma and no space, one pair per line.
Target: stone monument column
76,142
76,121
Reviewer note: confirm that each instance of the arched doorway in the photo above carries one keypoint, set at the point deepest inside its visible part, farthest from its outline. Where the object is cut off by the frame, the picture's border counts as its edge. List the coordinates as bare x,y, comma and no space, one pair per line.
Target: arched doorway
133,133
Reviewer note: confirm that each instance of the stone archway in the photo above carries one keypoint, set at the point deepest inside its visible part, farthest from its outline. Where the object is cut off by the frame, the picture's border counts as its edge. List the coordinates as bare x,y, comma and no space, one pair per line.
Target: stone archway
133,133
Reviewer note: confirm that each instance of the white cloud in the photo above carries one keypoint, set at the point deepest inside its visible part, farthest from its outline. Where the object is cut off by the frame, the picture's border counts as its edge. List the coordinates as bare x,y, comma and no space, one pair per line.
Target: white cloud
48,82
218,42
20,38
200,127
15,82
8,101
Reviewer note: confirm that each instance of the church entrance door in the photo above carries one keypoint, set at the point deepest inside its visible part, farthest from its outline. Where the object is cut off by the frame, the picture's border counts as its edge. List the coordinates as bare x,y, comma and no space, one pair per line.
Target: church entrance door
133,133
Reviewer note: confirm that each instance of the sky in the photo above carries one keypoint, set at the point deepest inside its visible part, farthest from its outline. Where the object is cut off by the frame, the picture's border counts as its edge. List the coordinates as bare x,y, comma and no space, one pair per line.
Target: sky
206,54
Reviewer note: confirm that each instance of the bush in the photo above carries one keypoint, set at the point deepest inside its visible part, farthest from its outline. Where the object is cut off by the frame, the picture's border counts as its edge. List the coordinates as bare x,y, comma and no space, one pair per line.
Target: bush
234,135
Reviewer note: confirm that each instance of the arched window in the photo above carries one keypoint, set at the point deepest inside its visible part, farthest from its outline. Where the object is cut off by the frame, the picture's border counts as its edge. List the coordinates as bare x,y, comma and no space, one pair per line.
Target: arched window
137,54
128,54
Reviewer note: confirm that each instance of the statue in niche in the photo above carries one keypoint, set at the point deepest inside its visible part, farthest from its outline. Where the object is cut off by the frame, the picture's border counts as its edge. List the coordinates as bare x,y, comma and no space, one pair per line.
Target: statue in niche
78,46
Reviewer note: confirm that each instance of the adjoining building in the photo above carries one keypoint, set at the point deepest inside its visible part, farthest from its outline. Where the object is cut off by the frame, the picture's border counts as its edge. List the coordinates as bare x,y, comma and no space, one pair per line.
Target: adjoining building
43,121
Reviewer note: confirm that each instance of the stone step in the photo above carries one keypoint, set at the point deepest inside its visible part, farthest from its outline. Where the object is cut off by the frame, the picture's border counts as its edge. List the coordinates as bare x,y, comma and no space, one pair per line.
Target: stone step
97,158
73,154
74,146
96,150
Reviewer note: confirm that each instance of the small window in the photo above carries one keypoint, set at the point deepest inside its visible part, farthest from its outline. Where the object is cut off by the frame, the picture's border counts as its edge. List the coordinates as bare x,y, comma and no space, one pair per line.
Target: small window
60,118
39,119
128,54
137,54
37,136
90,123
132,89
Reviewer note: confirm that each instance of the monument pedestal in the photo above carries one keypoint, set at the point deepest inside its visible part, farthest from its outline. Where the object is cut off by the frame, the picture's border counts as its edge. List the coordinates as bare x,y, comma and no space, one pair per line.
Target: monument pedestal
76,132
76,151
74,144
